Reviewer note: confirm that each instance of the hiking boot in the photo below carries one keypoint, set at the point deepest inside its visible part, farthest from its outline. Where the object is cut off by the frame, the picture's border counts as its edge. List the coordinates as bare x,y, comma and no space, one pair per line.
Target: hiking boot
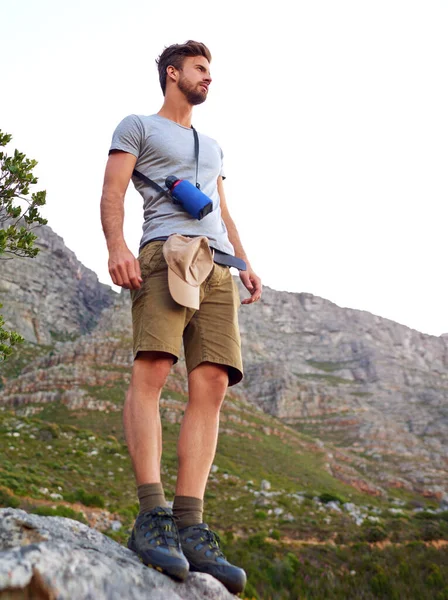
156,541
201,547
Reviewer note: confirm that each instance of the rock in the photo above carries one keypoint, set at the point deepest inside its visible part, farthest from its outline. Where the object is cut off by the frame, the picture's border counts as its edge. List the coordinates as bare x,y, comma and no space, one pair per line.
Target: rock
396,511
265,485
298,498
355,512
214,469
55,557
334,506
262,501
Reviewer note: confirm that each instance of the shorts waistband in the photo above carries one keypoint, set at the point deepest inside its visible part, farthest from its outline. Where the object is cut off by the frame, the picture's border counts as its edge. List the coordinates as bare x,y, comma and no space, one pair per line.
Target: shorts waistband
220,258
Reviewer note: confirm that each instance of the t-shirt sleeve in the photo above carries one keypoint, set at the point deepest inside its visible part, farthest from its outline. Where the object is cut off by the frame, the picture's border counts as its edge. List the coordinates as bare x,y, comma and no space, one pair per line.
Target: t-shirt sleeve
222,172
128,136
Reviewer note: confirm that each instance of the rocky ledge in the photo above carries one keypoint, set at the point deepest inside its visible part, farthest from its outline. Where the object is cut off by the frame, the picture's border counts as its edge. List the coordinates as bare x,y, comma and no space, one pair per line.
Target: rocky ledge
54,558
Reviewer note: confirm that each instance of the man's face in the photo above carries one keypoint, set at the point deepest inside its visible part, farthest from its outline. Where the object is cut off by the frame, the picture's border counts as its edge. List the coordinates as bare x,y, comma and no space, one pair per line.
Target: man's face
194,79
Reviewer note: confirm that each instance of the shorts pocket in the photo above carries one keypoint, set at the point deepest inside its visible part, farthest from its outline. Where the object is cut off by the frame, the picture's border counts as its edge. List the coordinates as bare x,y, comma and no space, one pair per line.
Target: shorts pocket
150,258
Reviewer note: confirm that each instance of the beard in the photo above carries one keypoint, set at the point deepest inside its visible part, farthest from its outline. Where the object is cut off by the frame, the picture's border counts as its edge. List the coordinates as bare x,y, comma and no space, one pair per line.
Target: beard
194,95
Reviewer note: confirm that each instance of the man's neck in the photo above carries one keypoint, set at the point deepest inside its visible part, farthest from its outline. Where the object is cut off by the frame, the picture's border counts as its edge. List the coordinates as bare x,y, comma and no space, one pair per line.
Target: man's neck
179,112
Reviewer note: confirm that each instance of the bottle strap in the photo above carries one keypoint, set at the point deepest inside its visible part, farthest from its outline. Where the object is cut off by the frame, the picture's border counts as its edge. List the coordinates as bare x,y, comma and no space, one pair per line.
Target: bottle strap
148,181
196,154
155,185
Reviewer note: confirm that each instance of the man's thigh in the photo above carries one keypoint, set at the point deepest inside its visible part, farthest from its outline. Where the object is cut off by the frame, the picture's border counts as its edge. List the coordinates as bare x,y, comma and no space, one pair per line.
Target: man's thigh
212,334
158,321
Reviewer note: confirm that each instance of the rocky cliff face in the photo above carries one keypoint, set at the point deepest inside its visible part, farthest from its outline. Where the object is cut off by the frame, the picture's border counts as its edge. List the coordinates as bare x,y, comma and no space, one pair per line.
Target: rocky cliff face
52,296
374,389
361,381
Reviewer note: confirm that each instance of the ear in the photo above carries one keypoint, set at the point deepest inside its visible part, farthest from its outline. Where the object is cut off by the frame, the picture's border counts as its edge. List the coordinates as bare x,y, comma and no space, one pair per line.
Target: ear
172,73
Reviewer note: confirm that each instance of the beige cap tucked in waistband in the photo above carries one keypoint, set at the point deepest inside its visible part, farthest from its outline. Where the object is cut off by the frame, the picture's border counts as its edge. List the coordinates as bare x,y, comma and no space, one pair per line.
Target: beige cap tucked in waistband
190,261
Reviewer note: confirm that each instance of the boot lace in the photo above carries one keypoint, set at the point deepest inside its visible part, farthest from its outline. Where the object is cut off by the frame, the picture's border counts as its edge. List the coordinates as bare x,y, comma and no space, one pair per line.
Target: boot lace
160,527
212,540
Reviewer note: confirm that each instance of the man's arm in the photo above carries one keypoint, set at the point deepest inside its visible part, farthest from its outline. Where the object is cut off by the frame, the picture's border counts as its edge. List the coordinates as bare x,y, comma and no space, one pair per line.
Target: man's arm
124,268
250,280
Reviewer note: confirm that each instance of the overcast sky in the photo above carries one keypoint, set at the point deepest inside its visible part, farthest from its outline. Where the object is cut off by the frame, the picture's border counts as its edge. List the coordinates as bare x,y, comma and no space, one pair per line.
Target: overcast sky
332,117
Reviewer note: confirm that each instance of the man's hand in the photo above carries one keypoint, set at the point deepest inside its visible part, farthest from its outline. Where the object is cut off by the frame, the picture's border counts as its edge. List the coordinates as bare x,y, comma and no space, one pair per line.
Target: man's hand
124,269
253,283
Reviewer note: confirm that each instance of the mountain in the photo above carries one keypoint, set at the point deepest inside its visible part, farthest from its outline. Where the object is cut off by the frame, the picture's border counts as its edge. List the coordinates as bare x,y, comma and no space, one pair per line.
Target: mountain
375,390
370,386
329,479
52,296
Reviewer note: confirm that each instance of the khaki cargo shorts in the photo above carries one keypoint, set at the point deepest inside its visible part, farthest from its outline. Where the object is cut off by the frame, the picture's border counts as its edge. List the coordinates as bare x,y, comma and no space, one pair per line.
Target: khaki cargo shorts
210,334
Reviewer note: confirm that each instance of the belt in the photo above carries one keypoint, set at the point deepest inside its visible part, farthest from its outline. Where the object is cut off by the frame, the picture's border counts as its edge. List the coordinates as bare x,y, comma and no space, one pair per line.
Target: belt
220,258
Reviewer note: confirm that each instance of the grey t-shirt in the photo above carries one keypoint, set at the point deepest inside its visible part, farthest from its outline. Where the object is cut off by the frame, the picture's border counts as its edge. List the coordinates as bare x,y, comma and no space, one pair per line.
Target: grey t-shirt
165,148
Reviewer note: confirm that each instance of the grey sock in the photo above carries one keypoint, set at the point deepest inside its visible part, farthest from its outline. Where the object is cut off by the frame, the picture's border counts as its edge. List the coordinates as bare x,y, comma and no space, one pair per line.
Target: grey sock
187,511
150,495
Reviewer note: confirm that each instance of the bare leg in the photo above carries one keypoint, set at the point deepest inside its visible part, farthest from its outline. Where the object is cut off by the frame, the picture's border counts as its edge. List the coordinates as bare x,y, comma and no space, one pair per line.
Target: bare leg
199,431
141,416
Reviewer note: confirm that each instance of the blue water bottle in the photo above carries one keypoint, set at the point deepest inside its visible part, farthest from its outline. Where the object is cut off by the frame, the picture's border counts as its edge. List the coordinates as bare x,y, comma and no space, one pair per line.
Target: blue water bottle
195,202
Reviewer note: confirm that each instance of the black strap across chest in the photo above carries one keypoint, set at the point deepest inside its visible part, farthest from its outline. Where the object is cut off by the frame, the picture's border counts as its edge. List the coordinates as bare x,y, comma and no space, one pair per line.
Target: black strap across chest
155,185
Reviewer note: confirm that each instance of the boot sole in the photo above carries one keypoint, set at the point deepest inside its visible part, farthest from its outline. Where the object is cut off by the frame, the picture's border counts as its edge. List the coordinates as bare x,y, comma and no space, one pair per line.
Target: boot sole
177,572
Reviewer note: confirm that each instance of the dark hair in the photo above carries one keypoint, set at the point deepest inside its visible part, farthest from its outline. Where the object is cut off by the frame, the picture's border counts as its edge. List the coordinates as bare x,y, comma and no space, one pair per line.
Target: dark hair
174,56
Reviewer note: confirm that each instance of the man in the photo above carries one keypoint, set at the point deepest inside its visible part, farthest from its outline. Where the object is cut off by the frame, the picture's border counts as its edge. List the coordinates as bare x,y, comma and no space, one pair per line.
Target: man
149,149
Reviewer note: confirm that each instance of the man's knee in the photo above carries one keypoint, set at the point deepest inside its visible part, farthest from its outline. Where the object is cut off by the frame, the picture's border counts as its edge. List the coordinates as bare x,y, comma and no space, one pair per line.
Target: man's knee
212,376
151,369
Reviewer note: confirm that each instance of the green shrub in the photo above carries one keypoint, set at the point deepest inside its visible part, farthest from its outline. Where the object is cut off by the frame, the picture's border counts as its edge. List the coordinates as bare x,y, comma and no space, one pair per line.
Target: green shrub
129,512
258,540
85,498
416,546
382,586
327,497
261,514
59,511
228,537
404,571
425,515
250,593
430,531
374,534
48,432
275,534
7,500
435,577
396,537
340,538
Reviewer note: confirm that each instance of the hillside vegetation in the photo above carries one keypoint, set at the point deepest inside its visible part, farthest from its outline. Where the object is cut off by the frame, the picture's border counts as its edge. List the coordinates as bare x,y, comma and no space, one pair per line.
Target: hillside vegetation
296,529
